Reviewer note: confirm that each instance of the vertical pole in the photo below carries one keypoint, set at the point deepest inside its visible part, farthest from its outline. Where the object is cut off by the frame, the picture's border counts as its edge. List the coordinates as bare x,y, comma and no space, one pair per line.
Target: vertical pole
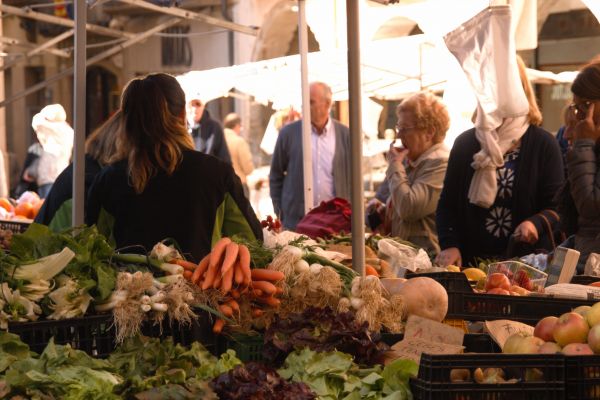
79,82
306,141
5,184
354,94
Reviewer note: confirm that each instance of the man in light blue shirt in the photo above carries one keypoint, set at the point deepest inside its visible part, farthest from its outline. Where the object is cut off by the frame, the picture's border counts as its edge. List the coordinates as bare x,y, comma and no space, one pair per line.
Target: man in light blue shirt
330,157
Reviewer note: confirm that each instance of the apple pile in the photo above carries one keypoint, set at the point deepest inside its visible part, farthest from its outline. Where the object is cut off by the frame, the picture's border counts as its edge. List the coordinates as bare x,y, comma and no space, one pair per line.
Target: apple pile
574,333
499,283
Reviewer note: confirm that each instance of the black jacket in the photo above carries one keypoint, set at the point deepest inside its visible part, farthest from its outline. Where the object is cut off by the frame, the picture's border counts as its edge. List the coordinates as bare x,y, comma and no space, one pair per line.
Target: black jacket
539,177
209,130
196,205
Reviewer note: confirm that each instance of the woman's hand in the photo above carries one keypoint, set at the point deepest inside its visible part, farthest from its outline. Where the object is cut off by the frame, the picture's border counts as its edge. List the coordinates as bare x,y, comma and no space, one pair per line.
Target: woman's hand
587,128
374,205
449,256
396,154
526,232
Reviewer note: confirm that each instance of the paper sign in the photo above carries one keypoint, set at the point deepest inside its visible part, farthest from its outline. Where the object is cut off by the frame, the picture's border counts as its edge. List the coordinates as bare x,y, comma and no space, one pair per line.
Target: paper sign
501,329
426,329
412,348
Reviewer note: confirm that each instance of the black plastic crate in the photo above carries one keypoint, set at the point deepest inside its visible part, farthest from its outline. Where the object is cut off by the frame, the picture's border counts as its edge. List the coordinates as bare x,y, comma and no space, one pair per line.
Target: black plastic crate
14,226
92,334
247,347
584,279
583,377
451,281
199,330
527,309
433,381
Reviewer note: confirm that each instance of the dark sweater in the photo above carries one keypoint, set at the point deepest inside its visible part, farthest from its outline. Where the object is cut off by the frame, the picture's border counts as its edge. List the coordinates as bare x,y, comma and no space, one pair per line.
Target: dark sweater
210,130
539,176
200,202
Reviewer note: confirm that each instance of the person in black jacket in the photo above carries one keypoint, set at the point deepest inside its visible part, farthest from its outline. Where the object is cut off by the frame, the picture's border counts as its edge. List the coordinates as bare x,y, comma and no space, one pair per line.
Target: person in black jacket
100,147
207,133
525,204
159,186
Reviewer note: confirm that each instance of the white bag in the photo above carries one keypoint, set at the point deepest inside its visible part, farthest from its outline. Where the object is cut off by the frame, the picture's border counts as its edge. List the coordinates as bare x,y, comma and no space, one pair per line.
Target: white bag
402,257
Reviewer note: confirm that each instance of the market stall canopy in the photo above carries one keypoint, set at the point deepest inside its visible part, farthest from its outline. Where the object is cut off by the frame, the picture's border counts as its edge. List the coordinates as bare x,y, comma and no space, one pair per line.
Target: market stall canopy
417,64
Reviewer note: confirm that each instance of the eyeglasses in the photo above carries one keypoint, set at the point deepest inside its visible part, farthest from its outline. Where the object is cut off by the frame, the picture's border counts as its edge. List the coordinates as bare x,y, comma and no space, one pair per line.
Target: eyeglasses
580,110
404,129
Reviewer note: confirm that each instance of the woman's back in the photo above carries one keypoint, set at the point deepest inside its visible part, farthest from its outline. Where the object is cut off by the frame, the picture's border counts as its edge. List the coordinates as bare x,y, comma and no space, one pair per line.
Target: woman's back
198,202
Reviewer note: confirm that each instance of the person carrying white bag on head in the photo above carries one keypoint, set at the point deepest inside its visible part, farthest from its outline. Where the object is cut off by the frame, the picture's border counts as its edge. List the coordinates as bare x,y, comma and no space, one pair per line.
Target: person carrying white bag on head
56,137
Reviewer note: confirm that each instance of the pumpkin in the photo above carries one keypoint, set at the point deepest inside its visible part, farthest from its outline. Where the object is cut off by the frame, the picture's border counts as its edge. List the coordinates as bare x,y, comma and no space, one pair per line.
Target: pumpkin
424,297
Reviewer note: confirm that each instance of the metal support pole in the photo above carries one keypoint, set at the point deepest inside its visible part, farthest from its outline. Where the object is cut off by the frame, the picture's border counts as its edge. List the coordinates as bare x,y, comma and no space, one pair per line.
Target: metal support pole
306,141
79,97
354,95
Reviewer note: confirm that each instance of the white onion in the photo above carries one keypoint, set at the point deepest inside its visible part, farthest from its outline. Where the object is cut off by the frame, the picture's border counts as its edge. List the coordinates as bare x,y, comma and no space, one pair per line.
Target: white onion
356,302
301,266
315,268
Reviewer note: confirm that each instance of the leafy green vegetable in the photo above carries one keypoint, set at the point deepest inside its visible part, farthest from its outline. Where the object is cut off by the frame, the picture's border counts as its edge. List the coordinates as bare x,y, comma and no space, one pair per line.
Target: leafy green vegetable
333,375
11,349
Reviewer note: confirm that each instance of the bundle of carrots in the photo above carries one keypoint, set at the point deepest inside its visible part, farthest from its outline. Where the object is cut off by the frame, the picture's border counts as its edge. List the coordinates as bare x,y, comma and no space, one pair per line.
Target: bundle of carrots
227,269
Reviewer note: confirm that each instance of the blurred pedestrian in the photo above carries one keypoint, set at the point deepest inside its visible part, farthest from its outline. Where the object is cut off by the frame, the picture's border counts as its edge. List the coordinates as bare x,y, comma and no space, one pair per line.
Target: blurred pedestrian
207,133
241,157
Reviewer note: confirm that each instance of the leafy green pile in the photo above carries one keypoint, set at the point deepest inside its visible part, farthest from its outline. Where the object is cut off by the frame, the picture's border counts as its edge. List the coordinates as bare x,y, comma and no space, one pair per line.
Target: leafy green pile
152,366
142,368
322,329
60,372
333,375
90,268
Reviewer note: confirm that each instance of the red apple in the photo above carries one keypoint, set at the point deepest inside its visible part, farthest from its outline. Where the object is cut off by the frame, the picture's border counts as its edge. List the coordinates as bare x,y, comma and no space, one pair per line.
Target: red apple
570,328
577,349
497,280
544,328
549,348
593,339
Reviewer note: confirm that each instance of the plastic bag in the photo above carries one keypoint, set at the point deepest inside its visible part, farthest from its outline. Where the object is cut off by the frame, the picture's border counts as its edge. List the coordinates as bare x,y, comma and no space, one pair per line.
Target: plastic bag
592,265
402,257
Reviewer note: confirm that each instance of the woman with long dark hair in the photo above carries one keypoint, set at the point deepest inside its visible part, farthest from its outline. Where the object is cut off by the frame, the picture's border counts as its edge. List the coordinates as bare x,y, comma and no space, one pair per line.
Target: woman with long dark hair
159,187
583,172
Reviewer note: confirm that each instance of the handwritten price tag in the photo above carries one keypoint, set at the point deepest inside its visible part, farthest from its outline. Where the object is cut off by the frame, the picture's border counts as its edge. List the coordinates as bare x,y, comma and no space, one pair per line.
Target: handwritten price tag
426,329
412,348
501,329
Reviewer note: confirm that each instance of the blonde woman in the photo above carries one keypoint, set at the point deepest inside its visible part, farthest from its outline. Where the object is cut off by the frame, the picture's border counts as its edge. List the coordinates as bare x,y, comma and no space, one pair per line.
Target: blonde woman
159,187
416,169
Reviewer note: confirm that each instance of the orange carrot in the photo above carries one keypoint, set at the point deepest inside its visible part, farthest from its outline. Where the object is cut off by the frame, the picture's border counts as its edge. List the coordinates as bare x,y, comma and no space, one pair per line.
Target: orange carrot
238,273
187,265
218,326
217,252
234,305
245,263
188,275
226,310
231,254
235,293
370,270
202,266
266,287
278,290
269,300
227,281
218,280
257,292
261,274
257,312
211,275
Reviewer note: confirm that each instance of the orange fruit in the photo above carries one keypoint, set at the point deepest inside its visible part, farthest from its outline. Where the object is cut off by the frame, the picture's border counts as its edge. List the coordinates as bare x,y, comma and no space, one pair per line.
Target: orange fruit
24,209
6,204
36,207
